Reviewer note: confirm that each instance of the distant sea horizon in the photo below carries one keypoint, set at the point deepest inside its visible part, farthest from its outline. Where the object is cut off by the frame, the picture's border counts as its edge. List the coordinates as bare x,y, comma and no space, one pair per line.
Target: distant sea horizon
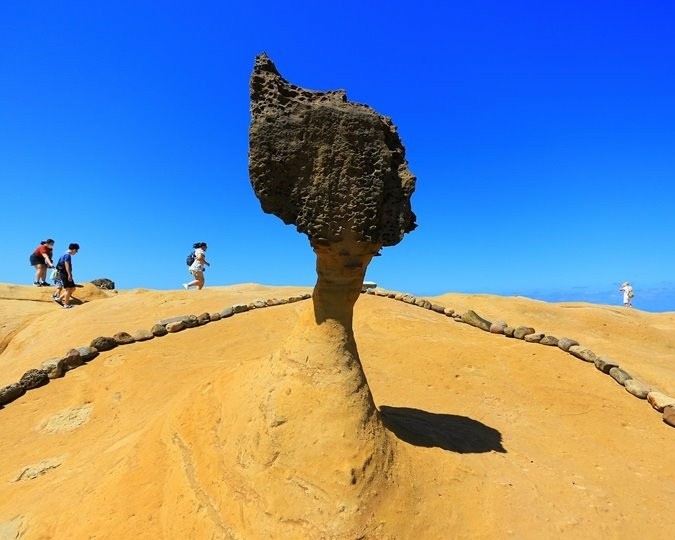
655,299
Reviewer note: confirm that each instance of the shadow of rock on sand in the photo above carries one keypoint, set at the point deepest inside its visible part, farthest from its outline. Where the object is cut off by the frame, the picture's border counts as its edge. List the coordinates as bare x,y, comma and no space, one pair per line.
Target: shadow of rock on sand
447,431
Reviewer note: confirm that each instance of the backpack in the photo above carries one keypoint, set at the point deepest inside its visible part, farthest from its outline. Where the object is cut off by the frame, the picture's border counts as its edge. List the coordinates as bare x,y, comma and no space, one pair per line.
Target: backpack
631,294
190,258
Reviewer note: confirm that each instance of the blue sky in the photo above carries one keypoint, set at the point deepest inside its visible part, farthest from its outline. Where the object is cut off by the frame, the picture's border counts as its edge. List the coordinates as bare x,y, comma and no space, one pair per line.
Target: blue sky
542,135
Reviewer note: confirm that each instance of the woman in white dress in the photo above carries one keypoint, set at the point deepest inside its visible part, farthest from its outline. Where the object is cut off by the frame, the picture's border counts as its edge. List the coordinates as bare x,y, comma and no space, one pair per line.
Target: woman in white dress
627,290
198,267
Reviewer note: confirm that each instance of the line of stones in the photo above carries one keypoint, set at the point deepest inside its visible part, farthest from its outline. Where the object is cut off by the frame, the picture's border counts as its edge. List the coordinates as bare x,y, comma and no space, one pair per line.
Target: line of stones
57,367
659,401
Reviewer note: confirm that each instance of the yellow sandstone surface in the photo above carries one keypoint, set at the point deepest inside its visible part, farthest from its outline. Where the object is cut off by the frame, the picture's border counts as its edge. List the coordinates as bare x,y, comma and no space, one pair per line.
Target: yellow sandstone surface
496,437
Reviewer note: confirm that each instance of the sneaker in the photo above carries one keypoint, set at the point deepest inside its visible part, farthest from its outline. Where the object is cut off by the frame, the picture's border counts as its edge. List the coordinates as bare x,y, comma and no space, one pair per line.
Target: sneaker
55,296
44,284
67,306
185,286
36,283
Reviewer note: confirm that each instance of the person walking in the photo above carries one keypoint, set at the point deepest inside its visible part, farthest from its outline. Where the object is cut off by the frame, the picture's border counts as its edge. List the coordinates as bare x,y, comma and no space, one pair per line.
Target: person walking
198,266
65,281
628,294
41,259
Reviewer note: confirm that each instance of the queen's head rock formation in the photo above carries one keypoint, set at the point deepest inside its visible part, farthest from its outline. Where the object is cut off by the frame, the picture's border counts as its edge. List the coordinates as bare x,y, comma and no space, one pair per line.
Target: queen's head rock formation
307,454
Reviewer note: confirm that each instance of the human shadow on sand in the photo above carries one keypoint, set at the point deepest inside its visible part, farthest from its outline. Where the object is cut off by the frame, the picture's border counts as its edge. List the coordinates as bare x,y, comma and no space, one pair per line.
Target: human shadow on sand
447,431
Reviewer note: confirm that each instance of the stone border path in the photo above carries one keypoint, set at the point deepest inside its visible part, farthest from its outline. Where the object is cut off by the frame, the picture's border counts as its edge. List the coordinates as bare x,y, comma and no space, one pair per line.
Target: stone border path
57,367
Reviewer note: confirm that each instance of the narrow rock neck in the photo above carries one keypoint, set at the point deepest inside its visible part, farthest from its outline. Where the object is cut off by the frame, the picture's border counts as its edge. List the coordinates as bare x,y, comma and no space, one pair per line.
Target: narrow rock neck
341,268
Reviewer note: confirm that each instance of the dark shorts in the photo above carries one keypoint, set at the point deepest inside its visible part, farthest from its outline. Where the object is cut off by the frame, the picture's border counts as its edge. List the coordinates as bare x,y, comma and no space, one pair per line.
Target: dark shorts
37,259
65,282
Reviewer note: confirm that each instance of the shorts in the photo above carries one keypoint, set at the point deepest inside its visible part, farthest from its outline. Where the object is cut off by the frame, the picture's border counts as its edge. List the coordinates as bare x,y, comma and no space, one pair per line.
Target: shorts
65,282
37,259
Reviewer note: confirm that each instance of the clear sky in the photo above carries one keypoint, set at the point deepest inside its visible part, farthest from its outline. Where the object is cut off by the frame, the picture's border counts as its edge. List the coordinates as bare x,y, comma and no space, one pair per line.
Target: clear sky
542,135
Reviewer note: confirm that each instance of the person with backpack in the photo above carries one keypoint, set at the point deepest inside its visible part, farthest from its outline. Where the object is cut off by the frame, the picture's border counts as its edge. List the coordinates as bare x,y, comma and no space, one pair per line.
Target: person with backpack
65,281
628,294
197,264
41,259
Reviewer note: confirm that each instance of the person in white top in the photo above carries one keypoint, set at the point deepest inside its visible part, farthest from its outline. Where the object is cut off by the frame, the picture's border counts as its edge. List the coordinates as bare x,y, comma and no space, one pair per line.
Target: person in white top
627,290
198,267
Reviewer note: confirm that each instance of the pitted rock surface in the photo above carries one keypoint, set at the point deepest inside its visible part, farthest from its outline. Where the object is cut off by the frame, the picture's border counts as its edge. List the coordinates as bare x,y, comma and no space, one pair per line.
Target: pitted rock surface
104,343
10,392
34,378
326,164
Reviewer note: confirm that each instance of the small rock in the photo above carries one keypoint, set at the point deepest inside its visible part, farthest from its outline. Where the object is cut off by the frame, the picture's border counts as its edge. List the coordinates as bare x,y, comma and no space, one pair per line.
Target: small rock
11,392
142,335
565,343
533,338
87,353
214,316
53,368
203,319
34,378
123,338
582,353
509,331
438,308
660,401
104,283
421,302
619,375
549,340
637,388
669,415
472,318
449,312
103,343
227,312
522,331
497,327
241,308
176,326
158,330
72,359
604,364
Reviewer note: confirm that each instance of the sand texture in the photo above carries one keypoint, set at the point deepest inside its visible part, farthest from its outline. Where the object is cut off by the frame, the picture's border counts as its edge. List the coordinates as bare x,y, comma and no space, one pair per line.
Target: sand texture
487,437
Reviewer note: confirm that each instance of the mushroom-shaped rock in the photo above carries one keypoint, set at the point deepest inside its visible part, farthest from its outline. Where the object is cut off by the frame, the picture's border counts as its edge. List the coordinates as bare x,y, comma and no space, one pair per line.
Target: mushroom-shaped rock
337,171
